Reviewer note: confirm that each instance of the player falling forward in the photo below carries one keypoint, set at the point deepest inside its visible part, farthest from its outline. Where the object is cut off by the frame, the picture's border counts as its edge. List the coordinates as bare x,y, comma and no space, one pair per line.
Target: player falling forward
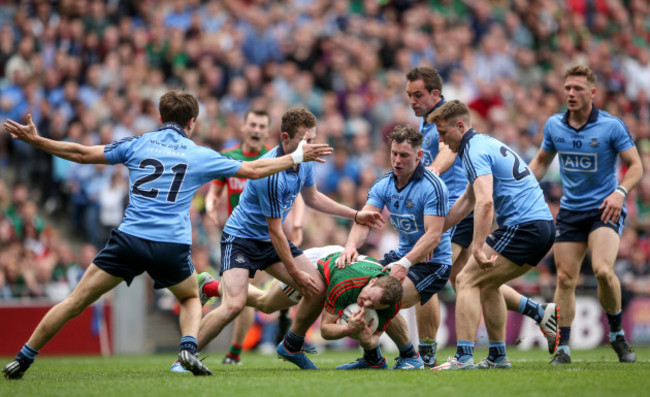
363,282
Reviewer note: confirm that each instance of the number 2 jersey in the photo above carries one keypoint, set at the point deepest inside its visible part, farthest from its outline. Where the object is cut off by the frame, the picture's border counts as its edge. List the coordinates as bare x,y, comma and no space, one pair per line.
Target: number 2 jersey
516,193
587,156
345,285
165,170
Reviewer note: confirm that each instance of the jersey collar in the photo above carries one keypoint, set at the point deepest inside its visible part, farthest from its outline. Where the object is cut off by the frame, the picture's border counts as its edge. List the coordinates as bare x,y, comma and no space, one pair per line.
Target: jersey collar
440,103
173,126
417,174
465,141
593,116
280,153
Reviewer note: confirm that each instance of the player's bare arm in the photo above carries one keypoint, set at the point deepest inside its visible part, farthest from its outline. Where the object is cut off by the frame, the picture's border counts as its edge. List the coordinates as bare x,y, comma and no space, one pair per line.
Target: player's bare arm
483,214
612,206
304,281
461,208
332,329
539,165
212,201
423,247
356,238
318,201
261,168
66,150
443,160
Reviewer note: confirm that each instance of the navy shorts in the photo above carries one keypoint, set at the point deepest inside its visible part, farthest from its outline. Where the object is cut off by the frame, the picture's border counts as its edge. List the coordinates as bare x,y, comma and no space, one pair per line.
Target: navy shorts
127,256
576,225
463,233
526,243
249,254
428,277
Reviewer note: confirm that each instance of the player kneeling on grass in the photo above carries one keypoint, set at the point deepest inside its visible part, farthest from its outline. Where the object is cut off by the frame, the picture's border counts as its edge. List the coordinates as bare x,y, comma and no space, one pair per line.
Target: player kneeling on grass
363,283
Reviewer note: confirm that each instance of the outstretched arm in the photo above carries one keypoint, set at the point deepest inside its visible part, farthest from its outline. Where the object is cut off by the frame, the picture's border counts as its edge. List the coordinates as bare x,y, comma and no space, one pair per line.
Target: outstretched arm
212,201
66,150
261,168
356,238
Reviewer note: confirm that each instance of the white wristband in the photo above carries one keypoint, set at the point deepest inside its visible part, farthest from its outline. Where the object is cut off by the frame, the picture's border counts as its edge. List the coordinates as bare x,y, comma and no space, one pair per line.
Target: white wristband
619,191
297,155
404,262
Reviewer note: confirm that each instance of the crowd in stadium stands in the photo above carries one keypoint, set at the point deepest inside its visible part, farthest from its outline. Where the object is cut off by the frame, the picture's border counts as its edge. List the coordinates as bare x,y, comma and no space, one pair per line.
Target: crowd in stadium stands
92,71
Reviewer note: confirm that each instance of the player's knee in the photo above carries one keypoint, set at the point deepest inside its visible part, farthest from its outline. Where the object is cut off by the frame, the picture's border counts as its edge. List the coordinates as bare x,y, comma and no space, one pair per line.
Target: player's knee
233,307
604,273
566,280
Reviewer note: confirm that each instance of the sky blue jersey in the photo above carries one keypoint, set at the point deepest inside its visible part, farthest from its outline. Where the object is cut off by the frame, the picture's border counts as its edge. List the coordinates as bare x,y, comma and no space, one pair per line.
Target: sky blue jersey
454,177
516,193
271,197
425,194
165,170
587,156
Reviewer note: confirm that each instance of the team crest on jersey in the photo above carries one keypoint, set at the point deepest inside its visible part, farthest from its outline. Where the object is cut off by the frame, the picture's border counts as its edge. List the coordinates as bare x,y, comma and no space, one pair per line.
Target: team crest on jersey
409,204
240,258
428,141
594,143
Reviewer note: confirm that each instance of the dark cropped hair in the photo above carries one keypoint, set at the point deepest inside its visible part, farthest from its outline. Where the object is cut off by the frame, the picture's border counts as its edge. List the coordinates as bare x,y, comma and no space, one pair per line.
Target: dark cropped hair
178,107
430,77
408,133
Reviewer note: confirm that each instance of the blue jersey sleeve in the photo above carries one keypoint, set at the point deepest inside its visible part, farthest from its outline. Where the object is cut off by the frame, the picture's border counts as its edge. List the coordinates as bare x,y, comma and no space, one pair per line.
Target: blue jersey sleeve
479,163
375,196
309,175
547,143
437,199
269,191
621,138
216,165
120,151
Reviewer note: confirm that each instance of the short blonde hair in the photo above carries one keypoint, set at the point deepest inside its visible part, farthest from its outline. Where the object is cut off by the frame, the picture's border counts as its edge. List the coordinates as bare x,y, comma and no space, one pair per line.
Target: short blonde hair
452,110
581,70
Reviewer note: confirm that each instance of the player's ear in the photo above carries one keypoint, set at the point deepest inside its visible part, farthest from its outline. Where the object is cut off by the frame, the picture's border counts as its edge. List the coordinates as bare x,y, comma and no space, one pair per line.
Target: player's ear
284,136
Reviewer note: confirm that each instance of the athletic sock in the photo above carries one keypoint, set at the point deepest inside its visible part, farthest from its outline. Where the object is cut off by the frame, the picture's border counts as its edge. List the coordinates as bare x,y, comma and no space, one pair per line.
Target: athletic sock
211,289
293,342
530,308
235,351
497,350
565,349
188,342
26,355
373,356
407,351
565,335
615,321
464,350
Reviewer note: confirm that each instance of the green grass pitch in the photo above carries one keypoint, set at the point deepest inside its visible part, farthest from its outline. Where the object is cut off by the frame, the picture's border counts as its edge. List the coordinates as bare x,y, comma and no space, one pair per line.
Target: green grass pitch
593,373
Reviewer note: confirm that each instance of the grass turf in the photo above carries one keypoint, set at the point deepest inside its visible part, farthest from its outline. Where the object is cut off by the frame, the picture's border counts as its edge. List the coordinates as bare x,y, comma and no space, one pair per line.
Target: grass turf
593,373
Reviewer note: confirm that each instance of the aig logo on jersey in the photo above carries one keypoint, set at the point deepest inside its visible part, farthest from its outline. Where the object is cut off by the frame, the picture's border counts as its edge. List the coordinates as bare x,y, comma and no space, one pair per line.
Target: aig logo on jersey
579,162
404,223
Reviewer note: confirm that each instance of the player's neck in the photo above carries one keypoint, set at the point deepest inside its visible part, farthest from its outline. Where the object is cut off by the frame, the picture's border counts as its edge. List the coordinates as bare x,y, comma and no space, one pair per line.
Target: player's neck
578,118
